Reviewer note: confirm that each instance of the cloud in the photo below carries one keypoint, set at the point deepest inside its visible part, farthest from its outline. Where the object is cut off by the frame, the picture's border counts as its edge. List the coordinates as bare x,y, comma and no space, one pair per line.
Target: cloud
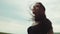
13,14
56,28
12,26
13,8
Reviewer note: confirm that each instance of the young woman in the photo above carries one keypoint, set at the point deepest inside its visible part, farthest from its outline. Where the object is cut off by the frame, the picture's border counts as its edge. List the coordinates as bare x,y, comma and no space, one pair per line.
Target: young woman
42,24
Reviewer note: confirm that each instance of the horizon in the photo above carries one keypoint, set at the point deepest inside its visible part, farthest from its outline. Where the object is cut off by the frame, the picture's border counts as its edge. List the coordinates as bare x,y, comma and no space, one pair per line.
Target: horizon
15,15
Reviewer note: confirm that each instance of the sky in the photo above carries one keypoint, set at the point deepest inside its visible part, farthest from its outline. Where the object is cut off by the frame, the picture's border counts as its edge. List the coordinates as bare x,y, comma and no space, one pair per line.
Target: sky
15,15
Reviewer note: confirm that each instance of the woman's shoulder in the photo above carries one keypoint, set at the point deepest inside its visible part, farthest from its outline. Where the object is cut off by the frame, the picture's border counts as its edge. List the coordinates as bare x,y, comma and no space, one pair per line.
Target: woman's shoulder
48,21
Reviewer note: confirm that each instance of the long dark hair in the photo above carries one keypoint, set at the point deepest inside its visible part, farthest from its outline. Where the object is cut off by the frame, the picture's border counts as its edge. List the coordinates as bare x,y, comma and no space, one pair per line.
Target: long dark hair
44,25
40,17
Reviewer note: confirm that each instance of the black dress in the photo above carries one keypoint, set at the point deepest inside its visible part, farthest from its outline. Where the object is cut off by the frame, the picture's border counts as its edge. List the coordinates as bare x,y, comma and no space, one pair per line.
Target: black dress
42,28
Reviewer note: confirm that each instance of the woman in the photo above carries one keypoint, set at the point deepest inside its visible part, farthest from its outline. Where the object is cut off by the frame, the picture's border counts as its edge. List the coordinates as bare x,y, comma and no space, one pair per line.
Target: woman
42,24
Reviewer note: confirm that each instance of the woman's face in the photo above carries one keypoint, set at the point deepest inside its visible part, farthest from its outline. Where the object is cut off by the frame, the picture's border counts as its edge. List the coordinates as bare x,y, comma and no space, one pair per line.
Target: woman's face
37,9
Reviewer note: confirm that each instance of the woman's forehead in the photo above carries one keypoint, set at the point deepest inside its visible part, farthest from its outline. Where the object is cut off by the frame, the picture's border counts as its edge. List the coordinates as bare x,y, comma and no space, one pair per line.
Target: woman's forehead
36,4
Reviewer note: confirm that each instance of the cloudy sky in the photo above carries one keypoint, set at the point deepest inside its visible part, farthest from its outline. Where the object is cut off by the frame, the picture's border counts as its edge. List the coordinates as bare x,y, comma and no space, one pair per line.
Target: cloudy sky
15,17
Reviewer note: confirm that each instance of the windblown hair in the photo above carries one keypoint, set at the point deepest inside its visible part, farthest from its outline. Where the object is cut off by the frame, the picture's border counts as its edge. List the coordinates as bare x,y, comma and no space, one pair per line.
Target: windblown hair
43,25
40,17
41,5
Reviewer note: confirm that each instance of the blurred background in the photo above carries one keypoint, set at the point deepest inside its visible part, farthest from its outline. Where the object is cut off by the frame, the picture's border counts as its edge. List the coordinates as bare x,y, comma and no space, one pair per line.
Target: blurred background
15,15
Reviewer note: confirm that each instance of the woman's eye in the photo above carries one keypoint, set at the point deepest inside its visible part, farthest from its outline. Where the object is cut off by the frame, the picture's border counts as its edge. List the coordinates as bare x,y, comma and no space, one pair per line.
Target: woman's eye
37,6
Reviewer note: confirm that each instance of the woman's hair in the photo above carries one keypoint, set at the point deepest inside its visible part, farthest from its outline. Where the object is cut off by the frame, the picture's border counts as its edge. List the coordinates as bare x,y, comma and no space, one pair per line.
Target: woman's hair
40,17
41,5
43,26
